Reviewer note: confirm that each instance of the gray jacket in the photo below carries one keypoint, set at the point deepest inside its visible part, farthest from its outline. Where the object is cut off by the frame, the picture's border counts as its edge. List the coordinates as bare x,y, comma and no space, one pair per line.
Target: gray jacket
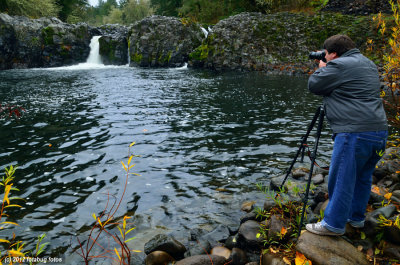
350,86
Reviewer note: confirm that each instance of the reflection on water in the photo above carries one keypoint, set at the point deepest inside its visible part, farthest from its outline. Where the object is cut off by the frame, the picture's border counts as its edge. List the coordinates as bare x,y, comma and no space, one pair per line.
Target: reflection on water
205,140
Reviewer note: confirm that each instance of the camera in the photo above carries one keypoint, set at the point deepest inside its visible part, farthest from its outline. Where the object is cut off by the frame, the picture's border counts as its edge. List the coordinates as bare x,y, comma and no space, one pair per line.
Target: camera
319,55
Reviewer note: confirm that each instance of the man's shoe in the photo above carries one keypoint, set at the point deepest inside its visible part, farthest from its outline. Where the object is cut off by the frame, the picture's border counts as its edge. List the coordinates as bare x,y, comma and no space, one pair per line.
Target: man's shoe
319,229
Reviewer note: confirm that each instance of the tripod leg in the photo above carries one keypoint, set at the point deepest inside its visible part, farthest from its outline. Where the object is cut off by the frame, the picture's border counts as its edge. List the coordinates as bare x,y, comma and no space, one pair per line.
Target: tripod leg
313,157
303,142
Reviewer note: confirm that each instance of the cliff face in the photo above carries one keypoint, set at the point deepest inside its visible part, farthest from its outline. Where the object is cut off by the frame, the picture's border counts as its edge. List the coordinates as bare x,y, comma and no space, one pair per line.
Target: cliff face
44,42
162,41
248,41
254,41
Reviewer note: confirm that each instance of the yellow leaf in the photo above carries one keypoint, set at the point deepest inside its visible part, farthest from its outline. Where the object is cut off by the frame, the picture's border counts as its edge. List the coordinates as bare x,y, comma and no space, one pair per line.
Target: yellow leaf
13,205
388,196
129,161
94,216
132,144
6,192
273,250
16,253
258,235
124,166
286,260
301,259
4,241
137,251
98,220
116,251
11,223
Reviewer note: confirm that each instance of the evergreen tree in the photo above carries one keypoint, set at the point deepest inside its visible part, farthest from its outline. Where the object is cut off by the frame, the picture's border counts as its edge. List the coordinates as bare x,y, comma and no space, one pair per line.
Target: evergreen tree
166,7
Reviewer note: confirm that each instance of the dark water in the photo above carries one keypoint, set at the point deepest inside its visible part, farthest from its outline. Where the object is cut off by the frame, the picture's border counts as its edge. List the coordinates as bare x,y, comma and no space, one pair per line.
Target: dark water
204,141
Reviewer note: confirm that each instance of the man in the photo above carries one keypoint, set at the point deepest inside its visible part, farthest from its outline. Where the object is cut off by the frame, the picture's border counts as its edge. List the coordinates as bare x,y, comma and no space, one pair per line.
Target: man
349,83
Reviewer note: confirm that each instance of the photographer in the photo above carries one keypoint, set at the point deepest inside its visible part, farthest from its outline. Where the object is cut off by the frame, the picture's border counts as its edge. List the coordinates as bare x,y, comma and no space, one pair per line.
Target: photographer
349,83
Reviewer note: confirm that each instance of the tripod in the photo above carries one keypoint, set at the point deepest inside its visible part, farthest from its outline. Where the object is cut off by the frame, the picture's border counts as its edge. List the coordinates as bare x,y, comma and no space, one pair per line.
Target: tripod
319,115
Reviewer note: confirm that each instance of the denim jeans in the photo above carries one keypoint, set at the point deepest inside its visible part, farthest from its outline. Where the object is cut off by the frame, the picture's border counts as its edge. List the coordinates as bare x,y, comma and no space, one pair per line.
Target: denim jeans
354,158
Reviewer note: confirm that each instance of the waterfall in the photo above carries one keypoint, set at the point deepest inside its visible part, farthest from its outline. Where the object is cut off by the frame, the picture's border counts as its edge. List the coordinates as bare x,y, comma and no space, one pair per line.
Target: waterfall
204,31
94,55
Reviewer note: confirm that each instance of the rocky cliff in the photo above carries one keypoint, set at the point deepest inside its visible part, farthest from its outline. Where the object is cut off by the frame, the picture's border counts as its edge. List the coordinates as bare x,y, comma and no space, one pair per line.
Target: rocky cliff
44,42
162,41
254,41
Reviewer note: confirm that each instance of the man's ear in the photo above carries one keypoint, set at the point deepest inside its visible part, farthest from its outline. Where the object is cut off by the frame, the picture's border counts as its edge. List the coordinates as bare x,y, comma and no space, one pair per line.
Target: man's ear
335,55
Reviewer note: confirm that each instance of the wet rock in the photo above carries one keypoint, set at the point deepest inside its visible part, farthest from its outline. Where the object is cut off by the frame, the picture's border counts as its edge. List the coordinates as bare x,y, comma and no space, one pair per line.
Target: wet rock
248,235
158,258
318,179
277,43
392,234
247,217
275,227
137,259
202,260
232,242
392,251
221,251
43,42
159,41
271,259
167,244
201,247
196,234
269,204
248,206
114,44
253,263
300,173
238,256
218,235
329,250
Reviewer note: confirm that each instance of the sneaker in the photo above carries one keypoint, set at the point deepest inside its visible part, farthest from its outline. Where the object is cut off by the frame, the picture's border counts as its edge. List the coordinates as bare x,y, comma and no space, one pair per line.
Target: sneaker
356,224
319,229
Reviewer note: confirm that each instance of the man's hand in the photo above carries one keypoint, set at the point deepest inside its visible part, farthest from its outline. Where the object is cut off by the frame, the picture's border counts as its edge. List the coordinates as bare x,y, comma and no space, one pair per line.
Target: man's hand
322,64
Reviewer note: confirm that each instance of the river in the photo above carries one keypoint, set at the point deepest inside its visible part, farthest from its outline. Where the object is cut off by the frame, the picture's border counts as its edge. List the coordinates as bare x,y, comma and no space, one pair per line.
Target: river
204,140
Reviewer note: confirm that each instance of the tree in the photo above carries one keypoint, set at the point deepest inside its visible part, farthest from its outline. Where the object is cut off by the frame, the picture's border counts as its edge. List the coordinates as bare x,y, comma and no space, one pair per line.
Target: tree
166,7
136,10
32,8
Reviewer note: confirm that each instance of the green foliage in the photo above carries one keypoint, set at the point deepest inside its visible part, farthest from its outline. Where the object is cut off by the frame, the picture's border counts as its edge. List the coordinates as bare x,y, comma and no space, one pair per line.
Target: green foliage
166,7
275,5
72,11
129,13
31,8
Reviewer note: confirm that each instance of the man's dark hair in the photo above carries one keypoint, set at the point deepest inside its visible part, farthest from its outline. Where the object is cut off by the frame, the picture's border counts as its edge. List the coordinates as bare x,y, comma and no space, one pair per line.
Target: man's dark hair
339,44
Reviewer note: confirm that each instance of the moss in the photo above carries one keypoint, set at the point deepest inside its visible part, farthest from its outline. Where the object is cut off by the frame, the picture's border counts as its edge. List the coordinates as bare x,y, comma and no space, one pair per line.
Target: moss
47,34
202,52
136,57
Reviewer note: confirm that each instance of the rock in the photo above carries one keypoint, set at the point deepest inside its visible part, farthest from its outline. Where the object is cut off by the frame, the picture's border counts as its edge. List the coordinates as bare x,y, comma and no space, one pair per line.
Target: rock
113,45
201,247
269,204
202,260
329,250
277,43
253,263
137,259
162,41
248,206
196,234
392,234
275,227
392,251
300,173
248,235
221,251
232,242
165,243
219,234
270,259
158,258
238,256
318,179
43,42
396,193
247,217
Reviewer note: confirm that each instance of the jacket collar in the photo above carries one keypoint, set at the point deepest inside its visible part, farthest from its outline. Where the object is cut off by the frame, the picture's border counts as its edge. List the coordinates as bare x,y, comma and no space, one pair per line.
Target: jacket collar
350,52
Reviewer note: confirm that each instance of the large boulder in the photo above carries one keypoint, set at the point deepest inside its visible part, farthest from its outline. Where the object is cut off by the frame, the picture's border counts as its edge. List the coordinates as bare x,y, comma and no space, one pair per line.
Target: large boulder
255,41
329,250
44,42
162,41
114,44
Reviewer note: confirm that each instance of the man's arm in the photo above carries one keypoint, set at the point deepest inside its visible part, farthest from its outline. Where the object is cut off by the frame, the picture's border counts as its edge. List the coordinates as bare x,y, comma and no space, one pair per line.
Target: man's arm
325,79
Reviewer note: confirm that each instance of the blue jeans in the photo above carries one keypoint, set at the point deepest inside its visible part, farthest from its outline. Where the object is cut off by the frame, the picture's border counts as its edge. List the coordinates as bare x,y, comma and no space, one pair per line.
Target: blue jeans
354,158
